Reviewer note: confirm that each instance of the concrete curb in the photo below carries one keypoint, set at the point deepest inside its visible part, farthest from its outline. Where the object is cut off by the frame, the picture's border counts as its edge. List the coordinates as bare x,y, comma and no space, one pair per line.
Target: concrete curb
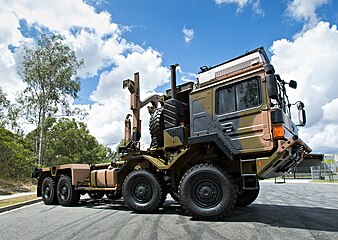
18,205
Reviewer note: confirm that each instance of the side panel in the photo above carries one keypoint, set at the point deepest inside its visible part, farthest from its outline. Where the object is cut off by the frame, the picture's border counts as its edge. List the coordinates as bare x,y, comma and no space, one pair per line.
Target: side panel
79,172
202,126
201,113
79,176
177,136
248,130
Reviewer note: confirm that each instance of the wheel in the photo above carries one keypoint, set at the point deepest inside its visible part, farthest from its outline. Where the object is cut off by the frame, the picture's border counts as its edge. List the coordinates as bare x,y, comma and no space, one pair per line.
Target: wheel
96,195
142,191
207,192
114,195
48,191
156,127
66,194
246,197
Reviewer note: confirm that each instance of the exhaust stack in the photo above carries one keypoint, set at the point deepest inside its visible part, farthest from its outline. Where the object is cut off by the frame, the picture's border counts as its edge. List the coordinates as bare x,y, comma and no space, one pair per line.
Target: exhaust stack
173,80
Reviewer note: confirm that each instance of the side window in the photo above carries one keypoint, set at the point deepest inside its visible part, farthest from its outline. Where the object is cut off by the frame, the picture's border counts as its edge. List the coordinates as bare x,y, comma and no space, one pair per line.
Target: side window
238,97
226,100
247,94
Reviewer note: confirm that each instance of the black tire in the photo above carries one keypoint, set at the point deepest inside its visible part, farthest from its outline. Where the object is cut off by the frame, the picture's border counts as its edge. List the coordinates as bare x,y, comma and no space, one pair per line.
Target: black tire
48,191
207,192
115,195
246,197
156,127
96,195
67,196
142,191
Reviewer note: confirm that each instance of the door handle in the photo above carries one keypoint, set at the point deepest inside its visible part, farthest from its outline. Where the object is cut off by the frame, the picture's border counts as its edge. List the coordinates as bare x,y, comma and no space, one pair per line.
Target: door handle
228,127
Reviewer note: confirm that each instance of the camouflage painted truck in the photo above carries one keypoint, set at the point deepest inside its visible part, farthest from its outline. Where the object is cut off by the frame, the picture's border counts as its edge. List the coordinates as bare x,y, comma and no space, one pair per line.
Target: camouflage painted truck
212,141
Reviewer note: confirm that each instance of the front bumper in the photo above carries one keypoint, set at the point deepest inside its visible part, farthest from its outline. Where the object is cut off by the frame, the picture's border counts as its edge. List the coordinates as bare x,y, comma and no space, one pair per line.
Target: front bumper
288,155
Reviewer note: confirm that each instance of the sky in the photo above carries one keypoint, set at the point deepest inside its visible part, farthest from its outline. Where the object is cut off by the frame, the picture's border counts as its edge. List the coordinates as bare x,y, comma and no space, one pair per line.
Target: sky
118,38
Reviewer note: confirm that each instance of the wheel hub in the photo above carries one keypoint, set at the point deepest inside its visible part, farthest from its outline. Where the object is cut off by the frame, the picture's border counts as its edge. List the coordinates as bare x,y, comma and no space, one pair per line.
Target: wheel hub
206,193
47,192
64,192
141,191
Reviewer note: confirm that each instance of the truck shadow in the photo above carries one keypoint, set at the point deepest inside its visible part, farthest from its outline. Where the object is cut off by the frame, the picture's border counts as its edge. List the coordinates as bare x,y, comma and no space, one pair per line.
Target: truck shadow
298,217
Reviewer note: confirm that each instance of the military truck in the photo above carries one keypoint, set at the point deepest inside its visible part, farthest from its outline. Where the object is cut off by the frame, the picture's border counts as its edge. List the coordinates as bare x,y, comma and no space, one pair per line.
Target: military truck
211,143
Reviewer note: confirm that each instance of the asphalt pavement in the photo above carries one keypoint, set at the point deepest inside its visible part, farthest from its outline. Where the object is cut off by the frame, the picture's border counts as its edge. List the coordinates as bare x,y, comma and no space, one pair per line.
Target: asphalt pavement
281,211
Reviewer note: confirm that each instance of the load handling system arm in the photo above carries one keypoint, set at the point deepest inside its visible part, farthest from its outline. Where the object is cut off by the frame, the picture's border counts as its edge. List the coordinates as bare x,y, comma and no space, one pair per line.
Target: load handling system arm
135,105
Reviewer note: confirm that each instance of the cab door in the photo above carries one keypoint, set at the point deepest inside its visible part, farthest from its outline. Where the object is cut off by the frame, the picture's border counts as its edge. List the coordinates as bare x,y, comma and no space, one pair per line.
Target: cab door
240,115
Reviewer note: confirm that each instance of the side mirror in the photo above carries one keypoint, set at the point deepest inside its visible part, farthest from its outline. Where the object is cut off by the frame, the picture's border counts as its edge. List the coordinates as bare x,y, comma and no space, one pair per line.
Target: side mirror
272,86
301,114
301,118
293,84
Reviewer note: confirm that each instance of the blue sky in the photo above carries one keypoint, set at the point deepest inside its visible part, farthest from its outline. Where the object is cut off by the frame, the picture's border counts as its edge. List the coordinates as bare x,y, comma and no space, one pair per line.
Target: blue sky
221,31
117,38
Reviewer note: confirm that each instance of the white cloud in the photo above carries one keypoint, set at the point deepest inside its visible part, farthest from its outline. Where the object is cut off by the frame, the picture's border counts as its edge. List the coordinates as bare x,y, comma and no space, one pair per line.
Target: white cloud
188,34
240,3
95,51
187,76
305,10
10,82
311,59
113,102
9,36
95,38
330,111
62,16
255,4
147,62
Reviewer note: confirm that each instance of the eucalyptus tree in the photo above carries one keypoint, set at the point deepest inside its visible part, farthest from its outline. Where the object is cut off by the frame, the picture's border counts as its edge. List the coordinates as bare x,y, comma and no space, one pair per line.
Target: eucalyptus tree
49,69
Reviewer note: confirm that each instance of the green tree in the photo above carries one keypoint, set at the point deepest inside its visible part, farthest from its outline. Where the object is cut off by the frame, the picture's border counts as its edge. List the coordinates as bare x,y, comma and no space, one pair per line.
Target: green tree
16,160
49,69
8,113
4,103
68,141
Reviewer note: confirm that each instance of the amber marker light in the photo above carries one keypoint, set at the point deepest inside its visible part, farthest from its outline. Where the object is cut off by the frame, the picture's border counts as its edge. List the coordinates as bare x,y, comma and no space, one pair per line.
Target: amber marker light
278,131
259,163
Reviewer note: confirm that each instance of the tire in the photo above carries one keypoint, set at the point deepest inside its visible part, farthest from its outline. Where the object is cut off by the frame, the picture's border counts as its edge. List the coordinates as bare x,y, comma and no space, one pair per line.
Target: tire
96,195
48,191
67,196
115,195
207,192
156,127
246,197
142,191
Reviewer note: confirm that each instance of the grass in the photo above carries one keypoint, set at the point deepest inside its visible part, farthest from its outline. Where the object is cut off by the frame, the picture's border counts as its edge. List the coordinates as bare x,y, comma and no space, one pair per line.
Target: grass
11,201
11,186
